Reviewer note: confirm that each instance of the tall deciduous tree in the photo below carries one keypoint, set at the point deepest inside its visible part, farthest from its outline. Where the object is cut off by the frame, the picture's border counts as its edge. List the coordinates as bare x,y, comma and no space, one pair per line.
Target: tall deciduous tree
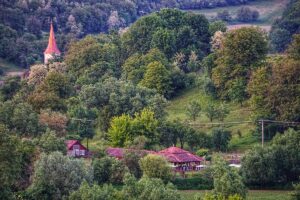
274,90
242,50
124,128
10,162
25,120
49,142
157,77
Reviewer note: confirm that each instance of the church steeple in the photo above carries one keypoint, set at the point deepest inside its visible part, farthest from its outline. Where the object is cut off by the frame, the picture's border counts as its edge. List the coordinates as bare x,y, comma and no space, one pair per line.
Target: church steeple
52,49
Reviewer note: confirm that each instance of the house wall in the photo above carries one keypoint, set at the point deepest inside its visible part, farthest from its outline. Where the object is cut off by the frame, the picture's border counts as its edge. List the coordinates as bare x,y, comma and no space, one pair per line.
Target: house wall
77,150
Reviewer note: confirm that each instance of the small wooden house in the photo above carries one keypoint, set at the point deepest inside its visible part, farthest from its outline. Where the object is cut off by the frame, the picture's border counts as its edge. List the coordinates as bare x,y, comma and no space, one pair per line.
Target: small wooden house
76,149
181,160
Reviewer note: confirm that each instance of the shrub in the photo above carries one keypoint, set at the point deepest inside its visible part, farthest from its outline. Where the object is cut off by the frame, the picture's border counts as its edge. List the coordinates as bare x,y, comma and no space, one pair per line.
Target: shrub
202,152
195,183
245,14
154,166
108,170
224,15
56,175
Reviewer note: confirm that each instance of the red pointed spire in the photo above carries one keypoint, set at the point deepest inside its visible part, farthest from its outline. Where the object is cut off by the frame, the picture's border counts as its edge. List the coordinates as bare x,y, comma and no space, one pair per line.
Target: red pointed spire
52,47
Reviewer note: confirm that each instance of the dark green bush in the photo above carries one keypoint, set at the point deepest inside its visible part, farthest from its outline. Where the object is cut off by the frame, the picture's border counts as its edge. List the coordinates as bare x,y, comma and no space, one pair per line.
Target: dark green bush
194,183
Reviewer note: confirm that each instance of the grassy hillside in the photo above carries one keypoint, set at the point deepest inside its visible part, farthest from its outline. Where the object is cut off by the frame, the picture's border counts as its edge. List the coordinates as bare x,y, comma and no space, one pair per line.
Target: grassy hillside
177,110
8,68
269,10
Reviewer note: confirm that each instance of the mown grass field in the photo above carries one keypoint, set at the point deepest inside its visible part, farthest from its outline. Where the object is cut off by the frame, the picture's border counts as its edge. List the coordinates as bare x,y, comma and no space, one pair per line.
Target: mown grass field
269,10
252,194
239,143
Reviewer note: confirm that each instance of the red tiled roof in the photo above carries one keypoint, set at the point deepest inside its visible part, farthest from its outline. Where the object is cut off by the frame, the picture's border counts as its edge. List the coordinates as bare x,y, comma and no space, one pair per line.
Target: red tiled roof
173,150
177,155
119,152
71,143
172,154
52,47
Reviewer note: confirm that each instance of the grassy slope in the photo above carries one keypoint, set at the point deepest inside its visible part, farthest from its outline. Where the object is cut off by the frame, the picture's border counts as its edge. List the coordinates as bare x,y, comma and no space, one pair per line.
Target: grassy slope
177,110
252,195
8,67
269,10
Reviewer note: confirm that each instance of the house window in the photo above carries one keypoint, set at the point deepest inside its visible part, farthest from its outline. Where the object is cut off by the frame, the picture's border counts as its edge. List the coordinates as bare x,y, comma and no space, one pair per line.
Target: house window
82,152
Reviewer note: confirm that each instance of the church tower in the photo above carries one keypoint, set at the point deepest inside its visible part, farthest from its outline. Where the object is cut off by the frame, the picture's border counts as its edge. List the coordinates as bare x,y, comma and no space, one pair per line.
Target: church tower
52,49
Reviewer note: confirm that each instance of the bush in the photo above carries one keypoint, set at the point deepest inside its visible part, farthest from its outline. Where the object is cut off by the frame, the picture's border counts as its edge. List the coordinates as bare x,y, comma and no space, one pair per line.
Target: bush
195,183
227,181
108,170
295,195
273,165
245,14
48,143
148,189
220,139
202,152
106,192
224,15
154,166
56,175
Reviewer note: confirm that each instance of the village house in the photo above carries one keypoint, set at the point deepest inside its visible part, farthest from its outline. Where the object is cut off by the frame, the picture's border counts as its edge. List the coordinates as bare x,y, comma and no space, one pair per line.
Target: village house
180,160
76,149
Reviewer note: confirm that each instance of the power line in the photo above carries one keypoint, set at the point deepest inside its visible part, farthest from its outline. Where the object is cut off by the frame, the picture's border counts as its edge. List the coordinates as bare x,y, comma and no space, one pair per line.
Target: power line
221,123
280,122
261,121
85,120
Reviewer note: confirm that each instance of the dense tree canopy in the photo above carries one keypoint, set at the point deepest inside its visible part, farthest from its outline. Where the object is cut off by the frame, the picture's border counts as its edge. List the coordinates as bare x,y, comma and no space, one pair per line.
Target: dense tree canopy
273,164
274,88
56,176
234,64
284,28
170,31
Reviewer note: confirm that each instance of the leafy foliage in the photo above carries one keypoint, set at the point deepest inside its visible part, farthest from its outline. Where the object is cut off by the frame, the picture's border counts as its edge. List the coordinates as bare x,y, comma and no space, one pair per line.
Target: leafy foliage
157,77
245,14
220,139
273,164
108,170
49,142
234,63
124,129
274,90
154,166
56,176
227,181
283,28
193,110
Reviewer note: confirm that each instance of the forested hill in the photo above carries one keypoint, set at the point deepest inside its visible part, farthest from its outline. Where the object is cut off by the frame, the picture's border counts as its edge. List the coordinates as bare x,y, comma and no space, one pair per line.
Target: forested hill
24,23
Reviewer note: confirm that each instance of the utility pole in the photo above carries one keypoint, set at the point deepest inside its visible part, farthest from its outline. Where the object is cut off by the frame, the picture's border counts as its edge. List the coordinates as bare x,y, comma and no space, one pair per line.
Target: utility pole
262,133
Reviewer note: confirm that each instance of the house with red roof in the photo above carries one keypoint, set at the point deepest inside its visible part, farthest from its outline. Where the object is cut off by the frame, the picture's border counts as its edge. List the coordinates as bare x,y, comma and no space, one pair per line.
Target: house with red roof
180,160
76,149
120,152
